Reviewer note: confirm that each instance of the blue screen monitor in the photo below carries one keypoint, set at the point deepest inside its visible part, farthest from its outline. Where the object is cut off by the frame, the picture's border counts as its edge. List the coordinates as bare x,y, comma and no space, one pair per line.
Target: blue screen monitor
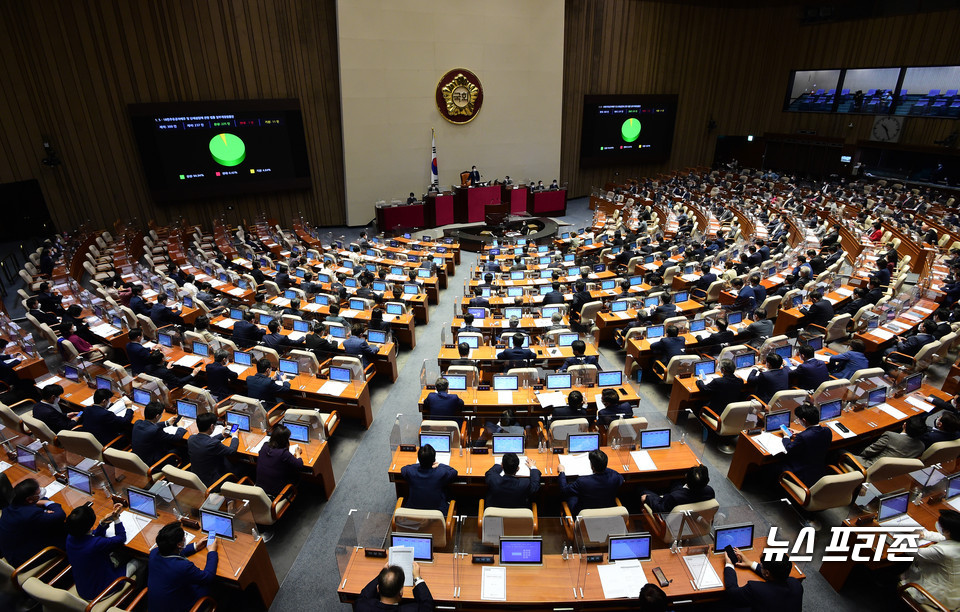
422,544
165,339
216,524
424,273
241,420
953,486
545,289
236,314
608,284
649,259
376,336
893,506
142,502
620,306
394,308
704,368
654,438
340,374
322,300
559,381
439,441
186,409
301,326
79,480
507,443
512,312
636,281
745,360
71,373
548,311
241,358
265,319
289,366
877,396
632,546
797,300
654,332
396,271
784,351
200,349
379,286
516,275
567,339
338,331
734,317
27,458
470,340
738,536
651,302
188,301
290,294
298,431
570,257
777,419
357,304
544,260
411,290
816,342
521,551
698,325
513,292
612,378
300,274
506,383
457,382
141,397
831,410
681,296
913,382
350,282
583,442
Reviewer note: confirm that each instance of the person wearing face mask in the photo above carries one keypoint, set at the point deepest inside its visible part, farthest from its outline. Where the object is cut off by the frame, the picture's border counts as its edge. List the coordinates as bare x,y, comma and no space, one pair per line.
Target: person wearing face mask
49,410
936,568
30,523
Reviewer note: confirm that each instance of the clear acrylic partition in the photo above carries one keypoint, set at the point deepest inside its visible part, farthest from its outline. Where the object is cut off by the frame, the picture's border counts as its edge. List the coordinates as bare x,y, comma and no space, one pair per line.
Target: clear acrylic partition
256,414
429,373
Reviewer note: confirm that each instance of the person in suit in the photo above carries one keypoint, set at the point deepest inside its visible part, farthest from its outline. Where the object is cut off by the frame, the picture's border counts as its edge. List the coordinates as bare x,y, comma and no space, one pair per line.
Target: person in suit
463,349
573,410
442,405
695,488
669,346
491,265
98,420
820,311
49,410
245,332
596,490
278,465
427,480
505,489
774,378
721,336
263,387
579,348
707,277
49,301
33,307
724,389
277,341
478,301
384,593
30,523
157,367
613,408
257,273
282,278
148,440
777,591
219,376
905,444
517,354
945,429
206,452
174,583
845,364
354,344
807,450
811,372
474,176
90,550
935,567
161,314
580,297
746,298
468,325
859,301
911,345
554,296
760,329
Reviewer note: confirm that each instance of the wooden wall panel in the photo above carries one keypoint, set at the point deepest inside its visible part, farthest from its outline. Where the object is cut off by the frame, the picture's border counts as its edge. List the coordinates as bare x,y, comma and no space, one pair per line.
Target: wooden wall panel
71,68
732,65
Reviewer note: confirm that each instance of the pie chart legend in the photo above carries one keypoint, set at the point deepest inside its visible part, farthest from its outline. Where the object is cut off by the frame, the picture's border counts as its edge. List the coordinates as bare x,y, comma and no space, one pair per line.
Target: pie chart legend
229,150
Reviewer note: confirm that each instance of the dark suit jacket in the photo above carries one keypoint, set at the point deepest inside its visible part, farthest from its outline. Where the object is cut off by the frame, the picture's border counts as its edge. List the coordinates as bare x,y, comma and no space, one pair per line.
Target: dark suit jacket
103,424
161,315
578,301
769,382
912,345
45,317
722,391
443,406
668,348
207,456
506,491
807,454
679,495
26,530
705,281
935,435
151,443
575,361
138,305
174,583
369,600
605,416
810,374
427,486
566,412
355,345
762,596
246,334
720,337
591,491
52,416
137,354
278,341
219,378
516,354
262,387
820,313
554,297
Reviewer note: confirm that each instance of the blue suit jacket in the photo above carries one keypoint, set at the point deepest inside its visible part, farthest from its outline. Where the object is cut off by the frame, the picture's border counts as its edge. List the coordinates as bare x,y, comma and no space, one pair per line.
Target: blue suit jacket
807,454
53,417
262,387
507,491
150,442
762,596
605,416
769,382
668,347
553,297
810,374
935,435
444,406
246,334
89,555
139,306
161,315
591,491
355,345
820,313
174,583
427,486
219,378
137,354
850,362
26,530
103,424
207,456
575,361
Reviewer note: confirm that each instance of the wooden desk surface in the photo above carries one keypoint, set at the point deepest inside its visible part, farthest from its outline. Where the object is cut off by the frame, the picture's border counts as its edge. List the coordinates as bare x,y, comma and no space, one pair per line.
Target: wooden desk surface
488,401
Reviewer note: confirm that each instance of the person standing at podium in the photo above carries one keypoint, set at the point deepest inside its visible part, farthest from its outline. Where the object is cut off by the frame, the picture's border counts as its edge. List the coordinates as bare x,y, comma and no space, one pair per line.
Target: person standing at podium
474,176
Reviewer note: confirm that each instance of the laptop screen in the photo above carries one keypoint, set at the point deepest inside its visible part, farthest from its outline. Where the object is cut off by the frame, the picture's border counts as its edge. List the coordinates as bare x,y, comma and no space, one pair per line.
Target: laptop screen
913,382
289,366
613,378
567,339
478,313
521,551
458,382
216,523
141,397
620,306
78,479
831,410
241,420
298,431
738,536
394,308
682,296
654,331
71,373
201,349
421,544
877,396
734,318
165,339
505,383
470,340
655,438
559,381
357,304
236,314
628,547
439,441
507,443
186,409
583,442
376,336
892,506
340,374
27,458
704,368
301,326
698,325
142,502
784,351
241,358
776,419
745,360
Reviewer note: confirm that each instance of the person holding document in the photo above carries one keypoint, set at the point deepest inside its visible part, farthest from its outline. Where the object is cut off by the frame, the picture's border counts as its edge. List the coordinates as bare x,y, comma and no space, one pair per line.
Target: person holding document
386,590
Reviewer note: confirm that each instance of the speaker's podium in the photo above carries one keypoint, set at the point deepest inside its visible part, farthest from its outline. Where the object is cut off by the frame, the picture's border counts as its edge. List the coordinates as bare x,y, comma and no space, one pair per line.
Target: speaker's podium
470,203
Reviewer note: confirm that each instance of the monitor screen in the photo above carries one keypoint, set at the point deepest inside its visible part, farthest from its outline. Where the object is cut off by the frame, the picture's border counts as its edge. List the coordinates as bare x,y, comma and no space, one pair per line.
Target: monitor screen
376,336
290,294
559,381
776,419
423,273
797,300
394,308
570,257
27,458
142,502
831,410
612,378
681,296
439,441
704,368
583,442
289,366
357,304
784,351
892,506
241,358
628,547
265,319
241,420
745,360
216,523
654,332
187,410
337,331
516,275
298,431
507,443
651,302
734,318
913,382
877,396
521,551
165,339
698,325
469,339
78,479
236,314
655,438
301,326
627,129
396,271
636,281
548,311
545,289
873,323
816,342
511,291
953,486
71,373
457,382
506,383
422,544
201,349
567,339
620,306
379,286
608,284
738,536
141,397
478,313
340,374
513,312
321,300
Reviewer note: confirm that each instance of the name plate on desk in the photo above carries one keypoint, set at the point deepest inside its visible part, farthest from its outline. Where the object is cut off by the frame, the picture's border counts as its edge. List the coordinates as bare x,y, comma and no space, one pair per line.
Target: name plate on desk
408,448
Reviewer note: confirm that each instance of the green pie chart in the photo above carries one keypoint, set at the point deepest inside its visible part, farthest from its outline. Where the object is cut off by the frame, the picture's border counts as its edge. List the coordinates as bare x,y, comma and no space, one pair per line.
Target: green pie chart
229,150
630,130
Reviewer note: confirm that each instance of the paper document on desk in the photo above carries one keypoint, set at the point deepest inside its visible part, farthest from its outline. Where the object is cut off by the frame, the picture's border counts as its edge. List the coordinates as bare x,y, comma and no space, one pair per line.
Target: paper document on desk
105,330
236,292
280,301
770,442
622,580
402,557
885,407
776,279
118,408
704,576
388,318
188,361
132,525
831,300
552,399
509,300
52,489
333,387
555,352
919,403
954,503
226,323
911,316
349,313
505,397
922,309
575,465
53,380
904,520
87,464
217,430
543,322
833,425
87,402
171,429
237,368
4,466
844,292
256,447
493,584
623,315
643,461
296,336
883,334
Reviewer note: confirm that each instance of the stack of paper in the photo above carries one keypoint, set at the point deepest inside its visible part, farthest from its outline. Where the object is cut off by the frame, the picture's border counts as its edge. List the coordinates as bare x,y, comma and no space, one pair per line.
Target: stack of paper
551,399
188,361
505,397
576,465
883,334
622,580
885,407
349,313
704,576
770,442
493,583
236,367
643,461
333,387
226,323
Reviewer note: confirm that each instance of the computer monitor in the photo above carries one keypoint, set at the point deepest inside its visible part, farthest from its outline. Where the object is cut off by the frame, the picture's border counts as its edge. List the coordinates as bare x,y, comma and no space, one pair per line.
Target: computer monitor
698,325
338,331
376,336
873,324
620,306
142,502
734,318
104,383
649,259
953,485
893,506
379,286
79,480
507,443
141,397
570,257
831,410
631,546
243,284
548,311
704,368
512,312
216,524
877,396
745,360
654,332
739,536
636,281
241,358
290,294
421,543
478,313
321,300
265,319
289,366
71,373
187,409
301,326
200,349
516,275
394,308
357,304
512,291
815,342
340,374
913,382
506,383
438,440
521,551
424,273
567,339
298,431
564,235
457,382
241,420
611,378
651,302
545,289
797,300
396,270
681,296
785,351
27,458
654,438
776,419
608,284
165,339
583,442
346,263
559,381
471,341
236,314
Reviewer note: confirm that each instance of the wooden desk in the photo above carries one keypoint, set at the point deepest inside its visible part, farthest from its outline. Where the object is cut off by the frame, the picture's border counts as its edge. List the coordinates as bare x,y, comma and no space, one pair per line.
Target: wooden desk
910,319
487,402
790,319
609,322
486,357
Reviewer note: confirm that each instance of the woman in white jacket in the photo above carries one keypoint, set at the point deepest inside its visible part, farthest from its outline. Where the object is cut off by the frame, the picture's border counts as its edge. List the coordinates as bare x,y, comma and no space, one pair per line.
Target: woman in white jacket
937,567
